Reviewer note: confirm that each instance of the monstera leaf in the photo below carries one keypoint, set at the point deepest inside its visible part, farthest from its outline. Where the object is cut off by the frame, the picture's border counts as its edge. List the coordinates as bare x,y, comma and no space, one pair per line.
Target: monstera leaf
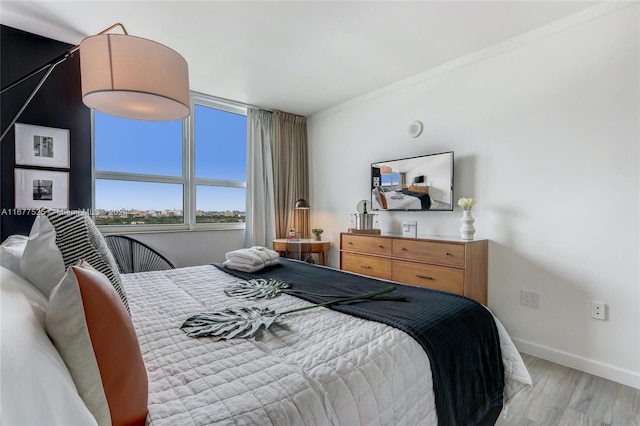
257,288
230,323
261,288
245,322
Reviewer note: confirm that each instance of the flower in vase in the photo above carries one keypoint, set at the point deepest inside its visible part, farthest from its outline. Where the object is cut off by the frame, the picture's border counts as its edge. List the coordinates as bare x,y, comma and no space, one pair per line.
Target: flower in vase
466,203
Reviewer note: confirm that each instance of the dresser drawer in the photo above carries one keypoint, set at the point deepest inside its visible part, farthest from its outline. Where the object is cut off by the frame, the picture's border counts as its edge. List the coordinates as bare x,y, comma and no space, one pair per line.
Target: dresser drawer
372,245
428,251
436,277
378,267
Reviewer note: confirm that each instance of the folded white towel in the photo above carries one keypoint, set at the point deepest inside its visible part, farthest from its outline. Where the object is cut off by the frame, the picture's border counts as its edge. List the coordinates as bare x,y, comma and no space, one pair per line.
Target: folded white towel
254,256
273,255
242,266
246,256
261,254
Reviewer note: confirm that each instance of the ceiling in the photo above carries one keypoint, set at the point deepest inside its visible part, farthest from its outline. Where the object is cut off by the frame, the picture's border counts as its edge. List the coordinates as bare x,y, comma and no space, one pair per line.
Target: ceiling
297,56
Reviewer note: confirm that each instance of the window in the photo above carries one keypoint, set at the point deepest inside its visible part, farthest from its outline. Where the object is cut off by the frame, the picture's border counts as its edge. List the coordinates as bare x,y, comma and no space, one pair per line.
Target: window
390,180
187,174
220,139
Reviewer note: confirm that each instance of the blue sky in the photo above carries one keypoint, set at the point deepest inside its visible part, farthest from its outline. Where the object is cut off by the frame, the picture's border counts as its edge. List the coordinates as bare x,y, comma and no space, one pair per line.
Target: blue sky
133,146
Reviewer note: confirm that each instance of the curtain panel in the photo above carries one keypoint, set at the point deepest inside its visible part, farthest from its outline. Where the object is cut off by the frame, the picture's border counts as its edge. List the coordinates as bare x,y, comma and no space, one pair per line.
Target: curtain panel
260,227
291,173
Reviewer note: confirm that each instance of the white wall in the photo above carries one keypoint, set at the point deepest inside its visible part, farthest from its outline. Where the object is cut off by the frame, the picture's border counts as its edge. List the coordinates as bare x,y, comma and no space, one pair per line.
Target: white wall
195,247
545,130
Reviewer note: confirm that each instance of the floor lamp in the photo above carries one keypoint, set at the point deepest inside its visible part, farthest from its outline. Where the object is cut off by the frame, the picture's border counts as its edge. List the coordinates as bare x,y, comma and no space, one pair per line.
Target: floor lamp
120,77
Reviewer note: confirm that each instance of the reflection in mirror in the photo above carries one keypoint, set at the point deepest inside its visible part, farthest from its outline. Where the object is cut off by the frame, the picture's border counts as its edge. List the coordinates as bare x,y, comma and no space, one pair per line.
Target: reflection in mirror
417,183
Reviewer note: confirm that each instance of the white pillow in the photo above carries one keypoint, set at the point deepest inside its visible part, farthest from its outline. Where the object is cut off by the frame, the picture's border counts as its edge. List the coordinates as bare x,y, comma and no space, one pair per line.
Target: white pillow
42,263
11,251
37,387
38,302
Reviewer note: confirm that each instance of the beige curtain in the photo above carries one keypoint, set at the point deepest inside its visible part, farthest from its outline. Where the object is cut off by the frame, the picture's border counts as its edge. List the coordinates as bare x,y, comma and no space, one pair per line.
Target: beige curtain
291,173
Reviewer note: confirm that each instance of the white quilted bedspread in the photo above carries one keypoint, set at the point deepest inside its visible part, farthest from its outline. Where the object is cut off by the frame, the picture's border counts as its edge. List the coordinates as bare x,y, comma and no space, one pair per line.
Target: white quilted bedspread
320,367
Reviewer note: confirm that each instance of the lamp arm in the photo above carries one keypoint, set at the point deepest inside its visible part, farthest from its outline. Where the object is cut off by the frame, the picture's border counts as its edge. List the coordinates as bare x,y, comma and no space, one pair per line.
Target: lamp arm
26,77
49,67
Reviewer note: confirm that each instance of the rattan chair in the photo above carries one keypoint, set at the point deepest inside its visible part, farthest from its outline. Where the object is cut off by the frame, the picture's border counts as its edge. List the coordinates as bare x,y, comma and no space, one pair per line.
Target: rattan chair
133,256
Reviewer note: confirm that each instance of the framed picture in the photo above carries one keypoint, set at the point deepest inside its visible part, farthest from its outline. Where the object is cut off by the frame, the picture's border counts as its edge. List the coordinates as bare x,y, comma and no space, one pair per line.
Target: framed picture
41,188
42,146
410,229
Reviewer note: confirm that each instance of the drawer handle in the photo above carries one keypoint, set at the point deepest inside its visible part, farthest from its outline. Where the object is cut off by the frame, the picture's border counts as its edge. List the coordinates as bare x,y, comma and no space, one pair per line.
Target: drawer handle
404,249
447,254
426,277
380,246
365,266
350,243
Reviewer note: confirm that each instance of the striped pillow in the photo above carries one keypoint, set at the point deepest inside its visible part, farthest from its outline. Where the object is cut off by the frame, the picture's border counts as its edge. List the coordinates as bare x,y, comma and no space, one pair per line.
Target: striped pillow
78,238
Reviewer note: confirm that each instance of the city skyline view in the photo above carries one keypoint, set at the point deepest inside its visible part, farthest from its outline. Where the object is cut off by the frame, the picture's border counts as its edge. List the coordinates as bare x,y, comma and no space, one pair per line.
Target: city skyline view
174,216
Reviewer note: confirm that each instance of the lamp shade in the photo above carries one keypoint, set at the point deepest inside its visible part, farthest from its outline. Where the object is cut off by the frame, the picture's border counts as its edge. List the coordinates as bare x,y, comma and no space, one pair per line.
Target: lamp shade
133,77
385,170
302,204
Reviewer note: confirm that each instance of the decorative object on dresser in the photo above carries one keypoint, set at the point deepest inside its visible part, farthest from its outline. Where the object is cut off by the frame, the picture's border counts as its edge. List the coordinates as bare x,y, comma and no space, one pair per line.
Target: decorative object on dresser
317,232
364,218
440,263
467,230
409,228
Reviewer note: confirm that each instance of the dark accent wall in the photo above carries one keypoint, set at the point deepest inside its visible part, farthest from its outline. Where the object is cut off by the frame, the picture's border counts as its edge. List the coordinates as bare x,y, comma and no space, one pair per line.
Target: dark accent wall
57,104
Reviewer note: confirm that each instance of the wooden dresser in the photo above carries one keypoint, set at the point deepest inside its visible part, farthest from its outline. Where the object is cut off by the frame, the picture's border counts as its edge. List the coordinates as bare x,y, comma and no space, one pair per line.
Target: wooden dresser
452,265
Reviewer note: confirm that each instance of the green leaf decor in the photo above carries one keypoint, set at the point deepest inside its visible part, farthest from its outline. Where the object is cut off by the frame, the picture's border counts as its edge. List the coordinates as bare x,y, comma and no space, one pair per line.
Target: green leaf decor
261,288
245,322
257,288
230,323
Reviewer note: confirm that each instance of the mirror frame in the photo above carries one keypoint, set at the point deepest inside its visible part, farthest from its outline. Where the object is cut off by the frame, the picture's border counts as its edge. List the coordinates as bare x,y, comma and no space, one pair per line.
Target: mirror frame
418,183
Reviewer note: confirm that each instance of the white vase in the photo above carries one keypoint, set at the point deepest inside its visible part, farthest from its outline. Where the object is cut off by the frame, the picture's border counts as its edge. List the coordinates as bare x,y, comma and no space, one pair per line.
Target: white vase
467,230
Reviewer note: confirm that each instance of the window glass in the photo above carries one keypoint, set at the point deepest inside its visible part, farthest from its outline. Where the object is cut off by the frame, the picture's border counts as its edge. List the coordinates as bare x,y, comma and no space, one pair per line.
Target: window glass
121,202
138,170
135,146
390,180
220,204
220,144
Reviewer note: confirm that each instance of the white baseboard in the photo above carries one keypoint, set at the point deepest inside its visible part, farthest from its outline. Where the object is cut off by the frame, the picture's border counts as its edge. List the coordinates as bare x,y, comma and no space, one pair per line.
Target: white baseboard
619,375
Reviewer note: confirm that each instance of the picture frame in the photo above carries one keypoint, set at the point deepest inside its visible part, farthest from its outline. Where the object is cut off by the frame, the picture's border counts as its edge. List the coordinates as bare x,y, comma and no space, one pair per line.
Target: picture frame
410,229
41,188
42,146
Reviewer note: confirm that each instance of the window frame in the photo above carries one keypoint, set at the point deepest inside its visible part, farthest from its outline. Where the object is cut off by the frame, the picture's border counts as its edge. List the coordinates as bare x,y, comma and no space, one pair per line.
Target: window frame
188,180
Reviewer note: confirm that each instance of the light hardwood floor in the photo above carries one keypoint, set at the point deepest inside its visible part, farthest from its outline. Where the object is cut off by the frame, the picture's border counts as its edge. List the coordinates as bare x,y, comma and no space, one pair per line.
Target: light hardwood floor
568,397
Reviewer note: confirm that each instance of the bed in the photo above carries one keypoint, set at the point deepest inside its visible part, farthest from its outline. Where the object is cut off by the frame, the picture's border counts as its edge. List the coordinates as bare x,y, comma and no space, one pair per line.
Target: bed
318,367
405,199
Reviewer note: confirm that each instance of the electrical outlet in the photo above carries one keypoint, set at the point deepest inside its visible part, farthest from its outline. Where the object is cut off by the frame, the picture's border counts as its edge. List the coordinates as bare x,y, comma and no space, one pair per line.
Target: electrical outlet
599,310
530,298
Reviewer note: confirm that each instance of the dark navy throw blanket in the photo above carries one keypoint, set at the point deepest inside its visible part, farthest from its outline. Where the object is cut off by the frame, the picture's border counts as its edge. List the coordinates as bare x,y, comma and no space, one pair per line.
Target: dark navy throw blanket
424,198
458,334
